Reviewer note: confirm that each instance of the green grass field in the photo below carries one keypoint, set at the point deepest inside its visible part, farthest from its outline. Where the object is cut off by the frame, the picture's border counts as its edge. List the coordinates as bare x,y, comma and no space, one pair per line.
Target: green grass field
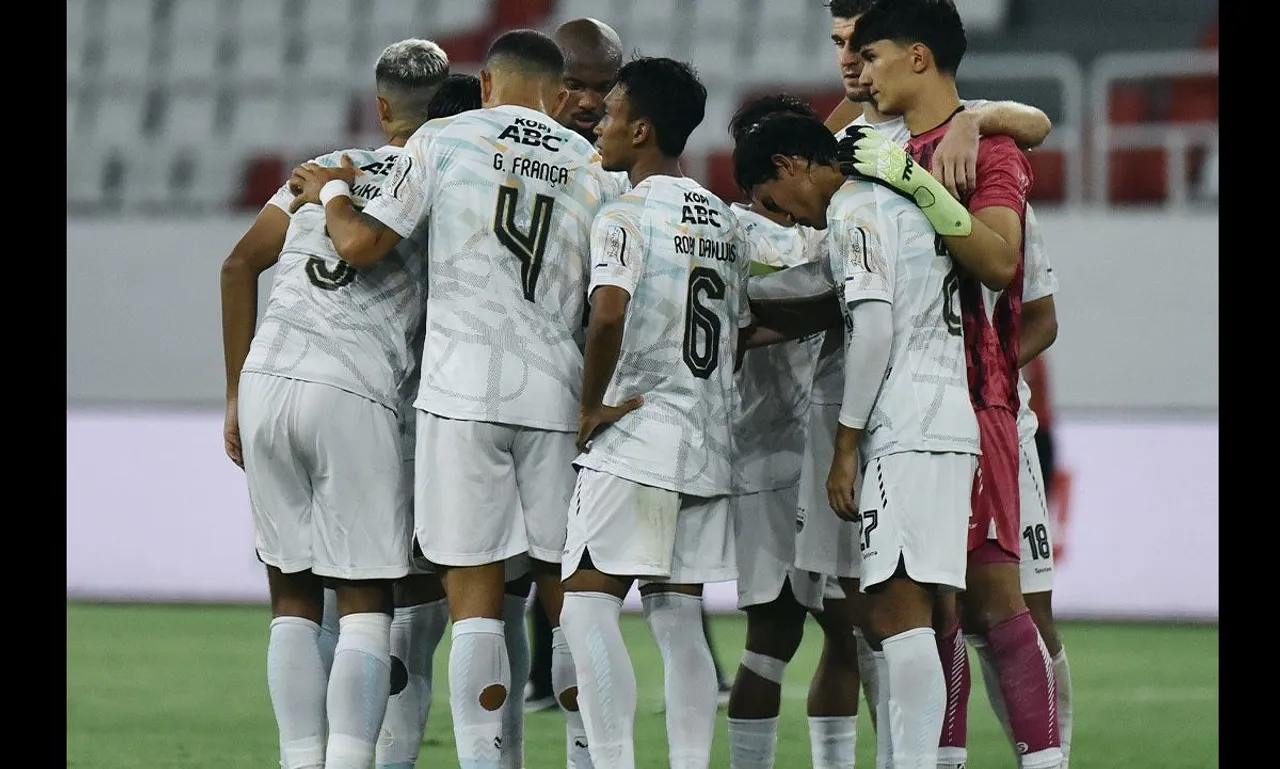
184,687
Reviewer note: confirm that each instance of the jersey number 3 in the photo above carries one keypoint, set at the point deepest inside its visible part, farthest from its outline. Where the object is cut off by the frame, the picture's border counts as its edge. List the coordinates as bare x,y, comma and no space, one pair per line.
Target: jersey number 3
701,324
527,246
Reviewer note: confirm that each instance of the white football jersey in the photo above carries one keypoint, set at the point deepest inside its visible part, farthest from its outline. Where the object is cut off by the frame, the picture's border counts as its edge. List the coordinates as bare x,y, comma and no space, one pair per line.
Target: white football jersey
882,248
330,323
1038,282
510,195
677,250
774,381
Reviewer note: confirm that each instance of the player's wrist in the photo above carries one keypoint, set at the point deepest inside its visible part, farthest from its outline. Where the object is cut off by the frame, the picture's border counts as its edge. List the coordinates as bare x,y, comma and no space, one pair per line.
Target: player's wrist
947,215
334,188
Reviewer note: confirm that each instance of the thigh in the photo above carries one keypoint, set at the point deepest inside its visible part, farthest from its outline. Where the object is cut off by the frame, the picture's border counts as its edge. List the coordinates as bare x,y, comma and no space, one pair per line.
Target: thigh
764,543
914,508
544,481
627,529
704,542
995,508
278,477
1036,542
362,500
466,508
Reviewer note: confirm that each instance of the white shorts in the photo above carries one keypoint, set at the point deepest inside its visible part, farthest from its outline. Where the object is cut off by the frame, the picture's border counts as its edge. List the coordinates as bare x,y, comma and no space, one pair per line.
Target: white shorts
824,543
765,539
327,479
1037,533
484,492
633,530
915,507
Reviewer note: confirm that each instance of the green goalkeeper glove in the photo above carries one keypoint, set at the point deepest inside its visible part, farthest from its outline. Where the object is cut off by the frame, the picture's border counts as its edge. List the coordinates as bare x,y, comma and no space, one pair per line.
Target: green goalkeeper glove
868,153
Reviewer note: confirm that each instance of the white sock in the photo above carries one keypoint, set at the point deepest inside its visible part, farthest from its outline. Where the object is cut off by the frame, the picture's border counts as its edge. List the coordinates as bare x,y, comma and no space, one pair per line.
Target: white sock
296,680
753,742
688,676
563,678
359,686
917,698
478,661
606,680
519,657
1062,679
991,682
415,633
869,673
884,740
329,629
833,741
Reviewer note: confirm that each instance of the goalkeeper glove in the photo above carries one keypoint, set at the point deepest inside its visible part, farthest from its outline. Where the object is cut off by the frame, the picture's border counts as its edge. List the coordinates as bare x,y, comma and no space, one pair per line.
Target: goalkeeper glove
870,154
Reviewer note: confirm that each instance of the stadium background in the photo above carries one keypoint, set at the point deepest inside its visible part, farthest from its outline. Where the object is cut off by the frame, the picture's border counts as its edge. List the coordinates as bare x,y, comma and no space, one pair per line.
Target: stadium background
183,116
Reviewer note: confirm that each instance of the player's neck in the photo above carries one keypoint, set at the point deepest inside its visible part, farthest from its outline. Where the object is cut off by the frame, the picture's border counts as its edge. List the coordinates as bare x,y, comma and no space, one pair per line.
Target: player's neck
872,115
653,164
519,94
776,218
934,105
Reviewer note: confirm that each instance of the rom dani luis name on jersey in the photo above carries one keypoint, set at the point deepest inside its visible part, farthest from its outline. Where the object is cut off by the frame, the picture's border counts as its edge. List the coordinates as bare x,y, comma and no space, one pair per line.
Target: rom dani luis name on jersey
697,210
532,133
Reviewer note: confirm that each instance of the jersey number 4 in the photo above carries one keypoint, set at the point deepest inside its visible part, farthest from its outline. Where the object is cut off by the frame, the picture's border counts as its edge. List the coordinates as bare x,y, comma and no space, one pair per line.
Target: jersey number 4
527,246
701,323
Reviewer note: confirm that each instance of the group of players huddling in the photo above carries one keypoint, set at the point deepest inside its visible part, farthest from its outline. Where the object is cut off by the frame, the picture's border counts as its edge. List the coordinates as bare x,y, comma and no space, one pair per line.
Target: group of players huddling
516,345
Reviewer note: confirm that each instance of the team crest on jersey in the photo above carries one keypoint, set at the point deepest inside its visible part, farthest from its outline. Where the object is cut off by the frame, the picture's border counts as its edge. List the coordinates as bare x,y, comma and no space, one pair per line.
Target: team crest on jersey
322,277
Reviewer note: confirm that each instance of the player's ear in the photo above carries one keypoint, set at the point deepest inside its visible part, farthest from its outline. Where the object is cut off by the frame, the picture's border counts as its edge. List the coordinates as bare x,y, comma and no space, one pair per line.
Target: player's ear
785,165
920,57
560,99
641,130
486,87
384,110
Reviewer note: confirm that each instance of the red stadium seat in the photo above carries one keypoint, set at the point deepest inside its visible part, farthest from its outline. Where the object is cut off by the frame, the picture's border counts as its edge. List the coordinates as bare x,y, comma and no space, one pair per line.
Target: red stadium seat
1048,170
1137,175
1194,100
1209,40
263,175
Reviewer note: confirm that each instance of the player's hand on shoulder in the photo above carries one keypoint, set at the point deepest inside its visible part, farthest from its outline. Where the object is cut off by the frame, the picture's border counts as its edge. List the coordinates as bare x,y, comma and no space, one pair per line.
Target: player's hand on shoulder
231,433
591,422
310,177
955,161
868,153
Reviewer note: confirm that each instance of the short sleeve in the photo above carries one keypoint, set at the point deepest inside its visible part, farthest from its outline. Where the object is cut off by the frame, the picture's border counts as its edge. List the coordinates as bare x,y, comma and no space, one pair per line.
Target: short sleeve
1004,175
1039,280
868,273
406,195
617,252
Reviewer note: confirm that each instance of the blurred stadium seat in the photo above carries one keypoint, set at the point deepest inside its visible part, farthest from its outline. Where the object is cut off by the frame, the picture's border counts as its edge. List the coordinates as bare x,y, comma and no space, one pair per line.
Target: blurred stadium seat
251,81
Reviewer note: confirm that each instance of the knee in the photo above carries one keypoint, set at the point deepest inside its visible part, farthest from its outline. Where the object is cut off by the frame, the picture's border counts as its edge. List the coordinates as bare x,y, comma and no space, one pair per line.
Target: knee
1042,614
775,634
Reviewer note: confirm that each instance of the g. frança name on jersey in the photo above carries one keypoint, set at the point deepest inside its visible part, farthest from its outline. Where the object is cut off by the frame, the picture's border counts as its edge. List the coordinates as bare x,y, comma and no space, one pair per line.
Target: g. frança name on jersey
532,133
697,209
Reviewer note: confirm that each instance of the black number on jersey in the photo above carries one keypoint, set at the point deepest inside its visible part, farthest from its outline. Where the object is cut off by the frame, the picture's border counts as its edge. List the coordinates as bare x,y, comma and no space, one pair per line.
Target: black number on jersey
527,246
950,290
1038,538
869,522
701,323
329,279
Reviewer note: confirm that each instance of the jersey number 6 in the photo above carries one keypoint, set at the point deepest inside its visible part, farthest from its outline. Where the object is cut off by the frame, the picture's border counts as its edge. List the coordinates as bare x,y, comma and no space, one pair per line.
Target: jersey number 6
527,246
701,324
